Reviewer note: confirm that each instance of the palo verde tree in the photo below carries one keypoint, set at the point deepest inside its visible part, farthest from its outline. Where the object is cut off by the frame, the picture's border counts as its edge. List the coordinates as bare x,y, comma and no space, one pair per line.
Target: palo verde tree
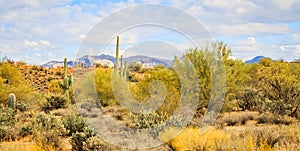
206,62
279,82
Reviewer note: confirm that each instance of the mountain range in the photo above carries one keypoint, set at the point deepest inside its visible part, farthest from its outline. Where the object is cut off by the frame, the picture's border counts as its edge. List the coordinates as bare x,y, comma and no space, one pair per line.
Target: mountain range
255,59
108,60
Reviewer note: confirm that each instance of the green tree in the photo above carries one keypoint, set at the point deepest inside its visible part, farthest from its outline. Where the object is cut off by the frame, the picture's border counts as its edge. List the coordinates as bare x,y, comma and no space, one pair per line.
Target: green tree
206,62
12,81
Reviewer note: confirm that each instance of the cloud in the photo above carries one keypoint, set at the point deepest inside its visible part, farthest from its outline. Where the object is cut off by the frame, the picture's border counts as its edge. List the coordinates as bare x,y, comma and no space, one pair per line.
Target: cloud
45,42
31,43
252,40
61,25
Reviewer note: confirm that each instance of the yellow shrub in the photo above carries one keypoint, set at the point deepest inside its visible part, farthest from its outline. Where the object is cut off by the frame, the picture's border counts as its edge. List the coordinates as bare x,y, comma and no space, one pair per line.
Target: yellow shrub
192,139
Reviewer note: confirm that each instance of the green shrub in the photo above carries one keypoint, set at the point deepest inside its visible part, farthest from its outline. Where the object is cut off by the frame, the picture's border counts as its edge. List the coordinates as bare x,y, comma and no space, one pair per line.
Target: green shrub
147,120
54,102
8,133
47,130
232,119
79,139
73,123
25,130
95,143
7,116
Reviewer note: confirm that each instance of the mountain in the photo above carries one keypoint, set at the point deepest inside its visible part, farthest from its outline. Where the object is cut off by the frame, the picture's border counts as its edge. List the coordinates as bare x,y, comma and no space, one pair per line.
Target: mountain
148,61
255,59
103,59
55,64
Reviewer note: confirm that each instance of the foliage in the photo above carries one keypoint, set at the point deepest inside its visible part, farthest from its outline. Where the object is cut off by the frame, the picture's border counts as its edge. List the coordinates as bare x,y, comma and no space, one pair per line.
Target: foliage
73,123
79,139
104,87
12,81
54,102
193,139
47,130
7,122
147,120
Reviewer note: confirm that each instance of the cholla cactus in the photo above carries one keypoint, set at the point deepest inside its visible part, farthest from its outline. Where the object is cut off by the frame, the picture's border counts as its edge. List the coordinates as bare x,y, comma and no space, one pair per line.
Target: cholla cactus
12,101
65,86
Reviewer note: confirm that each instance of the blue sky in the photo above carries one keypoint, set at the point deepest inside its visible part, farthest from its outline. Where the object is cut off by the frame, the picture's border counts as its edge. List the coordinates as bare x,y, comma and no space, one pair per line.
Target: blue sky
38,31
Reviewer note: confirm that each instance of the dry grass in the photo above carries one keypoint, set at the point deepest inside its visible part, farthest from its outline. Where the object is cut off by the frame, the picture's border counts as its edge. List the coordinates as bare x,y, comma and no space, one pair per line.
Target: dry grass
22,145
237,138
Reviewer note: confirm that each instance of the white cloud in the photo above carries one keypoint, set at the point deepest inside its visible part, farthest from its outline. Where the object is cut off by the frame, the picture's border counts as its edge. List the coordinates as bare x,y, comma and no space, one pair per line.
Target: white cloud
31,43
252,40
296,37
82,36
59,25
45,42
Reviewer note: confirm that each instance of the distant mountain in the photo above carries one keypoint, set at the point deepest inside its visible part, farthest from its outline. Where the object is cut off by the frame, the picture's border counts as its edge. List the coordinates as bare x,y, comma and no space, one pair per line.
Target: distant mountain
255,59
55,64
148,61
103,59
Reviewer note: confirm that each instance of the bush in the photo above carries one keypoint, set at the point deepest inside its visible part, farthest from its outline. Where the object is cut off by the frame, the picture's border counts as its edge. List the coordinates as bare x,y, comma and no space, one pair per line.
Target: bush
73,123
148,120
232,119
95,143
79,139
47,130
55,102
25,130
268,118
7,133
7,116
192,139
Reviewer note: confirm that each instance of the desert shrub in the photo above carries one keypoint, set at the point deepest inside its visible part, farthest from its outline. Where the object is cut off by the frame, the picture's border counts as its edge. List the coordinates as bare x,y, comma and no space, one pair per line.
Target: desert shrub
7,116
47,130
73,123
284,144
232,119
104,87
11,80
79,139
269,118
248,99
8,133
148,120
25,130
95,143
192,139
54,102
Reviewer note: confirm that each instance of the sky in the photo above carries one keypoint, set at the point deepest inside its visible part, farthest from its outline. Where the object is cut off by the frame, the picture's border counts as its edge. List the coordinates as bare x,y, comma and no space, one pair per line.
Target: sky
38,31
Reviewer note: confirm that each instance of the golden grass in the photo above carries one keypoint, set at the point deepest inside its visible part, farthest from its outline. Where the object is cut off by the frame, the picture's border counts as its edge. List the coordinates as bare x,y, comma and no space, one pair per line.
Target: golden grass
263,138
20,146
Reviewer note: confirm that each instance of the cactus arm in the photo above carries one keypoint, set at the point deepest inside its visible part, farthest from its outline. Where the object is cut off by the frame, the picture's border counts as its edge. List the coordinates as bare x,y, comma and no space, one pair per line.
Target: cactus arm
125,70
70,80
117,53
121,67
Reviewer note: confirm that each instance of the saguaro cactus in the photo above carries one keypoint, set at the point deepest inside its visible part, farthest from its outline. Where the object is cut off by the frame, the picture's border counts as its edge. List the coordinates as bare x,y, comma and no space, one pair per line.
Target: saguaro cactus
123,70
12,101
67,83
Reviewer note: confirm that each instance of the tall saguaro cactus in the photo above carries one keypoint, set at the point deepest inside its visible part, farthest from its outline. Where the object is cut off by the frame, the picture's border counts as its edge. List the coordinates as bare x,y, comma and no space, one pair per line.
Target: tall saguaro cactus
123,70
12,101
67,83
